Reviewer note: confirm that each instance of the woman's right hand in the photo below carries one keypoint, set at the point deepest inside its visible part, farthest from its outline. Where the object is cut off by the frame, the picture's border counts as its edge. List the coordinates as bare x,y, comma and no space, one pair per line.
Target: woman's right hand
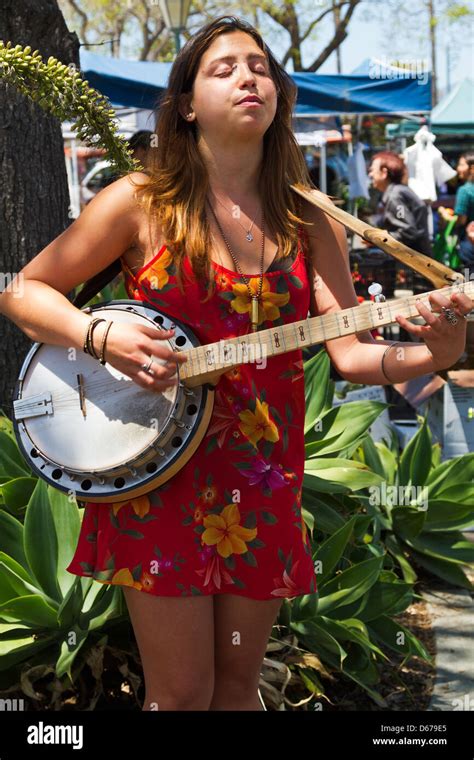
129,346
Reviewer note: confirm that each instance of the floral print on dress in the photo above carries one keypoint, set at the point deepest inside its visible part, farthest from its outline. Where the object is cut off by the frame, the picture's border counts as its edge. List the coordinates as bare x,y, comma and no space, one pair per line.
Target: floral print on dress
230,520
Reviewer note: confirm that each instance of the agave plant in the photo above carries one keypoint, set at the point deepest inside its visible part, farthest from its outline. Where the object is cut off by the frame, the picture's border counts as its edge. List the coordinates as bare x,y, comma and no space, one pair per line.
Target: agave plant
42,605
344,625
417,506
423,507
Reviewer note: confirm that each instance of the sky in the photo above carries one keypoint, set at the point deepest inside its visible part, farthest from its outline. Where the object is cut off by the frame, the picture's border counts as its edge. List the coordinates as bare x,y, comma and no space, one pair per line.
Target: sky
367,38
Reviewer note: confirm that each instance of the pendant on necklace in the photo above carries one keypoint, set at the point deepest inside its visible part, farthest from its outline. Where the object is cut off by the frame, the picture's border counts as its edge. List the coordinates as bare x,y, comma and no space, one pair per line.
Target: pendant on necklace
254,313
249,236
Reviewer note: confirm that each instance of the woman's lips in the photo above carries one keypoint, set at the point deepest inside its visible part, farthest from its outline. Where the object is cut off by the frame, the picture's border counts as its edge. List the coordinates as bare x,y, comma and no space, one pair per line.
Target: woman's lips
250,103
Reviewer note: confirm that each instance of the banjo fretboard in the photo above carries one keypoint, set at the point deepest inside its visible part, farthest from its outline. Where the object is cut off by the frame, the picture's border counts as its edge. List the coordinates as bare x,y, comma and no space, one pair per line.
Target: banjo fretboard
230,352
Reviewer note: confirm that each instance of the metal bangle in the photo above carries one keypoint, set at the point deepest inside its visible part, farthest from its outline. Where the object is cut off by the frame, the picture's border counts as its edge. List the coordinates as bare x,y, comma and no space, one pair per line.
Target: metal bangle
394,343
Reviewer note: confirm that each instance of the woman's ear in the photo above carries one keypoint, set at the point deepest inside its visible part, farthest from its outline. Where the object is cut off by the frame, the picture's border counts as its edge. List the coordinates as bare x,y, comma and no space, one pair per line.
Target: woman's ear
185,107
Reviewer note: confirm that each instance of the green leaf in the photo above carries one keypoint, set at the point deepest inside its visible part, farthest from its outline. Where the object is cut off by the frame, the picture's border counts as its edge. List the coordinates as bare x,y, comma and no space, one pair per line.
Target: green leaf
331,550
342,425
352,630
449,473
68,653
326,517
448,571
14,576
17,651
397,637
407,521
11,538
33,610
448,515
395,548
448,546
385,598
389,461
316,636
41,542
349,585
17,492
372,457
415,461
67,525
318,388
12,462
337,475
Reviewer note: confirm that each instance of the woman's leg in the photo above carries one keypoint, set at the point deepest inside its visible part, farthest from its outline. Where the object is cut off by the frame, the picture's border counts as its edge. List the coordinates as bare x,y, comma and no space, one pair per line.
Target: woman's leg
242,627
175,637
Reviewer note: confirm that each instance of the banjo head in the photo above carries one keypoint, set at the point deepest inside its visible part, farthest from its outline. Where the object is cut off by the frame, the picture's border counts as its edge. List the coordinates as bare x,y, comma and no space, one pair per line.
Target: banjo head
87,428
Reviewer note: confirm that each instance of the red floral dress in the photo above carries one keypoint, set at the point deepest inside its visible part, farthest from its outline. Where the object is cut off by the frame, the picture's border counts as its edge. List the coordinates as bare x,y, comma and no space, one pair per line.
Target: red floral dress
229,522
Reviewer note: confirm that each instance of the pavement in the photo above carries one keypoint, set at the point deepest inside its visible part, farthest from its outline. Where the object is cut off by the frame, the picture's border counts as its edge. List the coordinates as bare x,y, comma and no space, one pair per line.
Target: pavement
452,613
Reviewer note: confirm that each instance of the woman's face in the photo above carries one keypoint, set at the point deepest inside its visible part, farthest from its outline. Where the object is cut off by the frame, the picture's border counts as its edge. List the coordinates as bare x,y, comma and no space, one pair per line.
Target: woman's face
462,168
232,68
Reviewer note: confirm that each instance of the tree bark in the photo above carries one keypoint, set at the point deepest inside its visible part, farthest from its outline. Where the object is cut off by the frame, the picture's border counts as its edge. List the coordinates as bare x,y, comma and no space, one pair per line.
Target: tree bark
34,195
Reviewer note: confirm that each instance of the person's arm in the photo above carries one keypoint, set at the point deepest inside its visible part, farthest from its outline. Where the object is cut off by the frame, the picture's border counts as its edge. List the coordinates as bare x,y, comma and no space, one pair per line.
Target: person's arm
357,358
460,206
36,298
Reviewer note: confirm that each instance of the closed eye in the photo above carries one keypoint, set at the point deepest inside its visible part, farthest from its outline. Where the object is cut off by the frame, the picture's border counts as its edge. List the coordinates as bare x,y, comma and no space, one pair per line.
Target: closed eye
226,73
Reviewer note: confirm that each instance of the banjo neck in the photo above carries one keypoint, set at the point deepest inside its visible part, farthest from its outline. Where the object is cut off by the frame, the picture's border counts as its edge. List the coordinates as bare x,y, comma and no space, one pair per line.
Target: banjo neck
206,362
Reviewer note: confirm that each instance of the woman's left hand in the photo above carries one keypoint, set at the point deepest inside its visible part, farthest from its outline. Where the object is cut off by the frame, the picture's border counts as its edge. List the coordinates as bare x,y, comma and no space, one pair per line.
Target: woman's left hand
445,340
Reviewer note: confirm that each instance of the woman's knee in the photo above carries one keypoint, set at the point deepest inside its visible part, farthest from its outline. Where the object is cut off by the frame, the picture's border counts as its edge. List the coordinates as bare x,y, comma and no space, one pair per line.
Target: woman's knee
175,637
188,693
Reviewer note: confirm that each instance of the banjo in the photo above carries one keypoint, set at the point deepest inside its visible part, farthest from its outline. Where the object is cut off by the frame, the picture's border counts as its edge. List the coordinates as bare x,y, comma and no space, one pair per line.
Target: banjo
90,431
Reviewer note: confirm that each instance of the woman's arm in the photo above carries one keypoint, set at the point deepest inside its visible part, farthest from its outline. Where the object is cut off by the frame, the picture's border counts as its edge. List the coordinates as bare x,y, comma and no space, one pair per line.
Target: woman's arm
357,358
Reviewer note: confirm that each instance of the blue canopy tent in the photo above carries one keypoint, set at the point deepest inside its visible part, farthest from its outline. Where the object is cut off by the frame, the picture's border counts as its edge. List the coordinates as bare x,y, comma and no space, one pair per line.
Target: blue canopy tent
140,84
125,83
322,94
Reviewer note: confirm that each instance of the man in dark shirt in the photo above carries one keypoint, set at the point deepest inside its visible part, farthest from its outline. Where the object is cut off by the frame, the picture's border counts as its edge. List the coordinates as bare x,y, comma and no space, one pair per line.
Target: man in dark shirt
404,215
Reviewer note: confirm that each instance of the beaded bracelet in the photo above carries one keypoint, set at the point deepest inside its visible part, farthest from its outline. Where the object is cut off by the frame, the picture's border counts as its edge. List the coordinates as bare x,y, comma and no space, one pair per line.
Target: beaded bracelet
87,348
383,358
104,337
91,338
89,341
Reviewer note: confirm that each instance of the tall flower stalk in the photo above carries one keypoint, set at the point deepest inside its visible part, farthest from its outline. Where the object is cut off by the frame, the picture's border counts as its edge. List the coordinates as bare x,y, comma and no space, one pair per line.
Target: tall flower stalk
61,91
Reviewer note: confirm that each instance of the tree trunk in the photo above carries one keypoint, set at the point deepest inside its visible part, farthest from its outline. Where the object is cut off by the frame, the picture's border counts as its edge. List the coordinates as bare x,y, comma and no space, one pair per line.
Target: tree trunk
34,195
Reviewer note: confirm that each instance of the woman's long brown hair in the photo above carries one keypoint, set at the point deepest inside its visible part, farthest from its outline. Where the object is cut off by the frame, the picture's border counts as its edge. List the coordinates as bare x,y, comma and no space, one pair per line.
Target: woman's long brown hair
174,196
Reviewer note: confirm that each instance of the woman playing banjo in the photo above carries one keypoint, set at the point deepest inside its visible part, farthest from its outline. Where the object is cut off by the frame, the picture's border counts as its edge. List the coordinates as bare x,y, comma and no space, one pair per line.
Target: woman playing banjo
212,233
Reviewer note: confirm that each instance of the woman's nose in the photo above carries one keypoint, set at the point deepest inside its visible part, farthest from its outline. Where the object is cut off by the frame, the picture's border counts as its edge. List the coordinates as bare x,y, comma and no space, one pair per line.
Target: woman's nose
245,73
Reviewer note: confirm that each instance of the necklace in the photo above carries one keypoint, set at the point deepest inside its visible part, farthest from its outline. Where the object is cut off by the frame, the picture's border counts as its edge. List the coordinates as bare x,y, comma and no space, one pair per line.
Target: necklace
254,298
248,235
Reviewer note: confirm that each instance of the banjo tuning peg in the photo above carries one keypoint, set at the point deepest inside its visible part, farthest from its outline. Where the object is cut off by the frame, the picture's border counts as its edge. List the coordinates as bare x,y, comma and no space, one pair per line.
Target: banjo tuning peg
375,289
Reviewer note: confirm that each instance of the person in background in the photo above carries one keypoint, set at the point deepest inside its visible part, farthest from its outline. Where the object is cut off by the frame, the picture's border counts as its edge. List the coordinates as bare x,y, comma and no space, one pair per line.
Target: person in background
464,208
330,175
403,214
140,143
